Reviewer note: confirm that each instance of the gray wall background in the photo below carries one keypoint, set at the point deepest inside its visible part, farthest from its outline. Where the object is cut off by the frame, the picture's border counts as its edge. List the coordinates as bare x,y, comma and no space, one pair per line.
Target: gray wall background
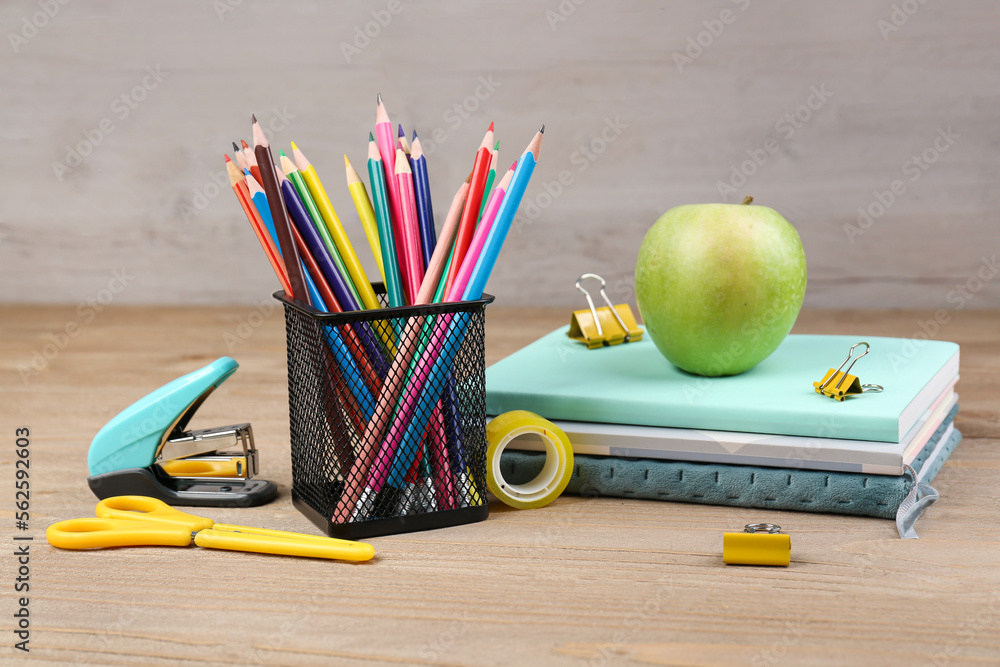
695,90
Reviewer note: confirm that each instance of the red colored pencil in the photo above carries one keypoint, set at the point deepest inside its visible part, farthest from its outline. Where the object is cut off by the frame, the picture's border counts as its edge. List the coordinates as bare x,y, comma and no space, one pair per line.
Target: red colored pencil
470,214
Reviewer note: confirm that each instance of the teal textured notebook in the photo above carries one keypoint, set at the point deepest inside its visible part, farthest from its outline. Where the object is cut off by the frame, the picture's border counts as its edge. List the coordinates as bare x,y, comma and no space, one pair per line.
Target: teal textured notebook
559,378
744,486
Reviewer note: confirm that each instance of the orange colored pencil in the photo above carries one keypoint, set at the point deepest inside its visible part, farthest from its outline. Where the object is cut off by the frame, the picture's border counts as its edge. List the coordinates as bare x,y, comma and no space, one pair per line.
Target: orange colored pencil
240,188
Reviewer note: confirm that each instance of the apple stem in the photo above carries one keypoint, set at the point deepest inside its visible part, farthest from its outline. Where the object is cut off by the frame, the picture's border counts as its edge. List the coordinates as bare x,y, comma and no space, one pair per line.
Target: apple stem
747,200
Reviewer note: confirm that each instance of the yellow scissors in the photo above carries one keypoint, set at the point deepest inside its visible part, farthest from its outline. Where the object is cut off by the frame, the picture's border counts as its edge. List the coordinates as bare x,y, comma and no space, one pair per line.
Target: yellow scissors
126,521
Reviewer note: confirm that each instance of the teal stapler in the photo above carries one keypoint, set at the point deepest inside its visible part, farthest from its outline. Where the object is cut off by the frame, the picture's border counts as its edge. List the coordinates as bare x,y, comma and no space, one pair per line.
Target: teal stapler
146,451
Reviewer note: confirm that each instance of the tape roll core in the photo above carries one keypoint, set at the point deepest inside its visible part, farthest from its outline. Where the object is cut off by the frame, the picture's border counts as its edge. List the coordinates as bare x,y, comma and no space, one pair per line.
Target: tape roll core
550,482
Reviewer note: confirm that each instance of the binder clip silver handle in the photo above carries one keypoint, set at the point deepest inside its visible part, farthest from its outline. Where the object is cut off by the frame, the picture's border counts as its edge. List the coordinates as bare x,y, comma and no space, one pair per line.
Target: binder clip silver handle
604,296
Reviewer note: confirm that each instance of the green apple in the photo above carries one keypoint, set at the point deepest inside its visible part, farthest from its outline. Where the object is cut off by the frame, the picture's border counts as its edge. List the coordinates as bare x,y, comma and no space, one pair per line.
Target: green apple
719,285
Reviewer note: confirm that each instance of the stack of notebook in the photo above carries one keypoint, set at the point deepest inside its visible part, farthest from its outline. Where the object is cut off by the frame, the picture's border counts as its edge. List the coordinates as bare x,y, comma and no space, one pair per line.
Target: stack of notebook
641,428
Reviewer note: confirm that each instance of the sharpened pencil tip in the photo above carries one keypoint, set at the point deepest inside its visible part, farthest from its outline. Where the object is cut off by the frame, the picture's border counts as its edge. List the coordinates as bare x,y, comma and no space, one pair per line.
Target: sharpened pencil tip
491,127
245,144
400,133
541,130
380,98
253,118
227,158
347,163
370,137
294,147
414,135
235,147
281,153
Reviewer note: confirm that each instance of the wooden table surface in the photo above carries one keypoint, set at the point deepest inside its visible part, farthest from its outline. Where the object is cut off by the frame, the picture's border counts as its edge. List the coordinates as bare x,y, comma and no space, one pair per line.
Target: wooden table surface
580,582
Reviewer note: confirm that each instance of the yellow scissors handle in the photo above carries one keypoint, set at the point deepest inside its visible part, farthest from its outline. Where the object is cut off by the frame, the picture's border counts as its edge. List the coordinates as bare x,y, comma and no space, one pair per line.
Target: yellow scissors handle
94,533
143,508
268,543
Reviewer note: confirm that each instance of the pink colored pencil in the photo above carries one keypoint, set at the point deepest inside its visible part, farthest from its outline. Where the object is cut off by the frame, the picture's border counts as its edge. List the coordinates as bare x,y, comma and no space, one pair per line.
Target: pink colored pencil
385,137
409,223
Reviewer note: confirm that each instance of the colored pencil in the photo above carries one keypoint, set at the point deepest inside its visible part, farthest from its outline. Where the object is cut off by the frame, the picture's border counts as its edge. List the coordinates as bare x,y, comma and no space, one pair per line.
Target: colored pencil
366,214
251,161
354,268
490,177
385,137
383,218
470,215
422,190
241,159
293,174
266,242
402,142
410,225
282,224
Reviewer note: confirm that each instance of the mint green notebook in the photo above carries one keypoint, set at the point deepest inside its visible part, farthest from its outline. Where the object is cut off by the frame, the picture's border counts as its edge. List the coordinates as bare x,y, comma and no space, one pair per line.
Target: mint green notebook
559,378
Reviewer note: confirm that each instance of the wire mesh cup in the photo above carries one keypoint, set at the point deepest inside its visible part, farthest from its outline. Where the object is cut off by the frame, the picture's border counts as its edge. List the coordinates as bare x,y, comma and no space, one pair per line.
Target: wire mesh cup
387,415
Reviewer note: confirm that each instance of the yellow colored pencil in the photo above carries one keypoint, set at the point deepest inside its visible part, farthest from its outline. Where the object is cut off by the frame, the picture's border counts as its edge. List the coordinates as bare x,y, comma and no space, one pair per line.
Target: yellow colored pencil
363,204
354,268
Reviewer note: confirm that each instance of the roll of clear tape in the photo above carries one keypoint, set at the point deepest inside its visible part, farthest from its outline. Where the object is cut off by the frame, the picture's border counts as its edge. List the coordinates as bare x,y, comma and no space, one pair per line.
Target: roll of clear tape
554,476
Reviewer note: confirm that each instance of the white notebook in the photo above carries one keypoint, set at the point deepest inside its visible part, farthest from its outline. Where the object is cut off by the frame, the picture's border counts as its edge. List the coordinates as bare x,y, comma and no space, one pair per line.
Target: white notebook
780,451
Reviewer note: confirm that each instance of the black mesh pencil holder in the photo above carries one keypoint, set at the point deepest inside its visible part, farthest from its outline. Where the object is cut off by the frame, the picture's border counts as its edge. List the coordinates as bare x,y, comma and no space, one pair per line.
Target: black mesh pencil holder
387,415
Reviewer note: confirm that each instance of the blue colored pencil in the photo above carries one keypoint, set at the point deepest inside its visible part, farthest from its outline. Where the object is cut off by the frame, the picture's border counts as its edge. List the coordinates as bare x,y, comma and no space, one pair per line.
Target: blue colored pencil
422,190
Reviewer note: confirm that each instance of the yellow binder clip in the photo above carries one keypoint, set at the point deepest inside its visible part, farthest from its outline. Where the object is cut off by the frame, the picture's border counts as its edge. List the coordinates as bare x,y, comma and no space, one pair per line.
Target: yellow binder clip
758,544
607,325
838,384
